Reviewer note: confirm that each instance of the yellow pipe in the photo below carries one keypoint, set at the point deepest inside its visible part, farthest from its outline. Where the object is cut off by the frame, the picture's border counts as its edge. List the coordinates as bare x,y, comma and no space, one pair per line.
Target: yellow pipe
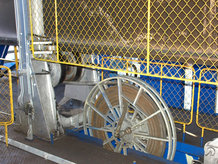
16,62
184,128
6,135
202,132
161,80
102,72
11,96
31,29
148,36
192,105
56,28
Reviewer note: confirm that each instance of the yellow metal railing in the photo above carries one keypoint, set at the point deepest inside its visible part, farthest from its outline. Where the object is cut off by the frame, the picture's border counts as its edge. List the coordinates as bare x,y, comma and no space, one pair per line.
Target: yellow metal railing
6,100
173,32
207,107
16,60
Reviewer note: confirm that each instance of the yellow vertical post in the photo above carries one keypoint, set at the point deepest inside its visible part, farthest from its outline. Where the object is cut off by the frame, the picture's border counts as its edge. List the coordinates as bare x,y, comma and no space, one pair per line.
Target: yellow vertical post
11,97
193,97
6,134
31,28
56,29
161,80
183,133
202,136
102,71
16,62
148,36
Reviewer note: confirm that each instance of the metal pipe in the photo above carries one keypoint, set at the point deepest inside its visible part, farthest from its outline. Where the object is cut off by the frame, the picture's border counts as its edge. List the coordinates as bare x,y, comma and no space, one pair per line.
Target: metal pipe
37,20
7,60
42,42
37,17
37,152
42,52
16,62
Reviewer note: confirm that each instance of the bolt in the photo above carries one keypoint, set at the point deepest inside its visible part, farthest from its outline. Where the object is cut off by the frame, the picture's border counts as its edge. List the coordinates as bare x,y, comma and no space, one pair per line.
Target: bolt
128,130
116,135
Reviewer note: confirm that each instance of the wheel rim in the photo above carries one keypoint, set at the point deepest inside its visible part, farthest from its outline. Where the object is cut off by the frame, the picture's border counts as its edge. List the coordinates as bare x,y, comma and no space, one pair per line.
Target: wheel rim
55,72
127,113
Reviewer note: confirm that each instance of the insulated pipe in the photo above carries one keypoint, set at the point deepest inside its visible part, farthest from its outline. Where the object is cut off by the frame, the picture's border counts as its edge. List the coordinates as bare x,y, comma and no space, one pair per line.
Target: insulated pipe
37,20
37,17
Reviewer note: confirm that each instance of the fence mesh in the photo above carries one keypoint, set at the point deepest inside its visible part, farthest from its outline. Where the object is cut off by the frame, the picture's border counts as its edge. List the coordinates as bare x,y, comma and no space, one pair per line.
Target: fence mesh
6,99
80,32
207,112
5,96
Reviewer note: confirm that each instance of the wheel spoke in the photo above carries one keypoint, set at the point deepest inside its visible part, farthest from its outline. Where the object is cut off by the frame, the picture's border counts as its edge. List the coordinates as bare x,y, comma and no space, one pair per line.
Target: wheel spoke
144,120
124,110
125,150
136,147
139,147
108,140
99,113
100,129
135,107
107,100
141,142
110,116
120,97
145,136
137,96
117,112
118,147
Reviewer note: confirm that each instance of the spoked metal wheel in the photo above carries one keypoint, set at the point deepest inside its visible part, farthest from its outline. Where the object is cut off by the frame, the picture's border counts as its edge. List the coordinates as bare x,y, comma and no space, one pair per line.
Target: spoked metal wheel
126,113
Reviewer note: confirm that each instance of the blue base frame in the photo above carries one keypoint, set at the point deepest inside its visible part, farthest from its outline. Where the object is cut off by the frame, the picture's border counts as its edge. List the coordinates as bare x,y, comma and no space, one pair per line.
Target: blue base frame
182,150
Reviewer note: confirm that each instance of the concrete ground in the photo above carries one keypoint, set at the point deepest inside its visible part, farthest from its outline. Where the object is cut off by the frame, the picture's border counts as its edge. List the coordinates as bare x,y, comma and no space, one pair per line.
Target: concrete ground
68,147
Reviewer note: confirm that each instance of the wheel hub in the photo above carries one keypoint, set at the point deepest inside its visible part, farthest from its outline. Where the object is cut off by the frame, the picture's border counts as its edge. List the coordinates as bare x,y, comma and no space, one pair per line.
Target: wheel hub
127,135
128,130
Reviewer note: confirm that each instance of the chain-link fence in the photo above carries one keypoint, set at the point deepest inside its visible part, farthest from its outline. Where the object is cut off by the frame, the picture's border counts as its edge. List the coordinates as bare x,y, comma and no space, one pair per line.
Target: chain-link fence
207,112
182,33
6,99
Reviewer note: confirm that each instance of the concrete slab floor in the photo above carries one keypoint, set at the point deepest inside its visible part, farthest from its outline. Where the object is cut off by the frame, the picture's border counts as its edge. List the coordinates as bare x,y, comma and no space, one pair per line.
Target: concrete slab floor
67,147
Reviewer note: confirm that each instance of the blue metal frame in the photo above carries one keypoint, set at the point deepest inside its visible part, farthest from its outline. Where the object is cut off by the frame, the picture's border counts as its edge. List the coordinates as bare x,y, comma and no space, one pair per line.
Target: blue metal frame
3,52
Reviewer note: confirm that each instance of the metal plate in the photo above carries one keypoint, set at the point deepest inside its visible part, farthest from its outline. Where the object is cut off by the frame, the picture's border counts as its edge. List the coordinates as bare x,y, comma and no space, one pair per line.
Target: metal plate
8,34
